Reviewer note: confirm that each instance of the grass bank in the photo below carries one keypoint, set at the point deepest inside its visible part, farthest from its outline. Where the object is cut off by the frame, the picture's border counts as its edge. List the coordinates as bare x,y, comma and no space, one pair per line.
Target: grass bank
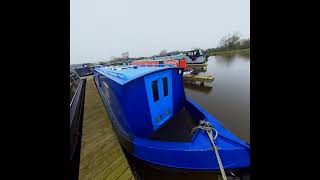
229,52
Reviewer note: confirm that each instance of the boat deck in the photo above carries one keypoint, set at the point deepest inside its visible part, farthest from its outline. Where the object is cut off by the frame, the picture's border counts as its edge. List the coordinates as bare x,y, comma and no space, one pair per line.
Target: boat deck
101,155
176,129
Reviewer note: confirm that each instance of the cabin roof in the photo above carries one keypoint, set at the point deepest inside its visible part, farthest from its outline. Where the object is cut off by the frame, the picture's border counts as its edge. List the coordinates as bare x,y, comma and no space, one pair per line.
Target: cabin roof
123,76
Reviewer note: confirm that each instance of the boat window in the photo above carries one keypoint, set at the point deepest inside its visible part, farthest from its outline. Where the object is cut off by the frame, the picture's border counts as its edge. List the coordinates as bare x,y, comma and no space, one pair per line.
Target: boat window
194,53
155,90
165,86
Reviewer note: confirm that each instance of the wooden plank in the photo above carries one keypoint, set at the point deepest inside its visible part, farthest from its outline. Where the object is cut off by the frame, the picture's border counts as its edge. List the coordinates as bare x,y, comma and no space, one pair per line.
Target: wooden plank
92,134
117,172
126,175
103,163
96,167
101,156
98,151
94,109
111,168
97,137
95,112
110,152
97,120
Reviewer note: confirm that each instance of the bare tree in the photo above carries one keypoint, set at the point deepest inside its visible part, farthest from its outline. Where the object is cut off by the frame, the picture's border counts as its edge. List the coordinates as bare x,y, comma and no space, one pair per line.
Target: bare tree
230,41
163,52
245,43
125,55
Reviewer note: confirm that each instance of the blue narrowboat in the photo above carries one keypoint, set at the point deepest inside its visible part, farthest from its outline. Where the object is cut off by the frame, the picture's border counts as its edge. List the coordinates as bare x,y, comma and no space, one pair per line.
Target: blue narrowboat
155,122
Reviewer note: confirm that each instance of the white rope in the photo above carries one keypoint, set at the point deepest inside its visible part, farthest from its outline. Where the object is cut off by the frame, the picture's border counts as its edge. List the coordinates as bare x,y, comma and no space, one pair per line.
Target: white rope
205,125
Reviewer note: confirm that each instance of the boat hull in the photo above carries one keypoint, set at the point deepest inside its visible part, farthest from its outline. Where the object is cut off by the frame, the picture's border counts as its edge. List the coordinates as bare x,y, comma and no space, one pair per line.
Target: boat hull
145,170
194,155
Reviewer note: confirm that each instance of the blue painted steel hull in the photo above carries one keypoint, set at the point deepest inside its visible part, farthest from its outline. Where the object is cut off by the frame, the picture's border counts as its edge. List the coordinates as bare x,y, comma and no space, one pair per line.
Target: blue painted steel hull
196,155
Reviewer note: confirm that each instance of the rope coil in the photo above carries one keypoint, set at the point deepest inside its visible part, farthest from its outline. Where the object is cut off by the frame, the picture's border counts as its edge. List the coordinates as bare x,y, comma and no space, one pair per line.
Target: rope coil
205,125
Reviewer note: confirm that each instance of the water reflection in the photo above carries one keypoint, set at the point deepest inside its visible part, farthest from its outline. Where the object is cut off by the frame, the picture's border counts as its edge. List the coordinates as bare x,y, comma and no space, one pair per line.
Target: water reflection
225,60
198,87
227,98
246,56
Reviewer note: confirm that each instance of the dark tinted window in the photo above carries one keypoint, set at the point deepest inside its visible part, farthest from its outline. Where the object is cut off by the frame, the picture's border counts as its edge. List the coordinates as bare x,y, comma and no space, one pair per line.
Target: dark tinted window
155,90
165,86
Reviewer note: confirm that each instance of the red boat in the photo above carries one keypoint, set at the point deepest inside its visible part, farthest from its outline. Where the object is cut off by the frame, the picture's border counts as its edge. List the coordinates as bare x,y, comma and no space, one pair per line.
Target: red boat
176,62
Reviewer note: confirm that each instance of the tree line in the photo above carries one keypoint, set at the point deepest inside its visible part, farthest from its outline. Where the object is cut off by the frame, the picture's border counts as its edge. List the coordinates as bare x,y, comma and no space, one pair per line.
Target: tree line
231,42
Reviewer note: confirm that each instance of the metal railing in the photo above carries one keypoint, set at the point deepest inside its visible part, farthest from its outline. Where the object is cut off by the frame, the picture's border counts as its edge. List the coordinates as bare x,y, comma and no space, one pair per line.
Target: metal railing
74,79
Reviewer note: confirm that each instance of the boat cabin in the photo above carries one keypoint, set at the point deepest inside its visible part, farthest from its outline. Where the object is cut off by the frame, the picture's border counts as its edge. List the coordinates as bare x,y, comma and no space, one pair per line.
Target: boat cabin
146,101
195,57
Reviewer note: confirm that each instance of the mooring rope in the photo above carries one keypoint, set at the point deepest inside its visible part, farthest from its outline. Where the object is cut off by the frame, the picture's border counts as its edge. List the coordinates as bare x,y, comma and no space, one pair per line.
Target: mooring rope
205,125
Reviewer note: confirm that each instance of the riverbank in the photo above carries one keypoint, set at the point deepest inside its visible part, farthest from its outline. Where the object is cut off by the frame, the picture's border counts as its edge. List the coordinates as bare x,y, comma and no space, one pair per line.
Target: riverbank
229,52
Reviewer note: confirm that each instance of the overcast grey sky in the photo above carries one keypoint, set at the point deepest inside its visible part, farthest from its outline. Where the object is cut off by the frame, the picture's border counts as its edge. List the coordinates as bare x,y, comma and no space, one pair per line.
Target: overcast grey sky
100,29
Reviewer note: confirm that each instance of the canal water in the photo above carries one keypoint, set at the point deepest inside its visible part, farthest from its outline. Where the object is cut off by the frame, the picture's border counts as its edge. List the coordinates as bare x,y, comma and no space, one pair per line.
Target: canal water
227,98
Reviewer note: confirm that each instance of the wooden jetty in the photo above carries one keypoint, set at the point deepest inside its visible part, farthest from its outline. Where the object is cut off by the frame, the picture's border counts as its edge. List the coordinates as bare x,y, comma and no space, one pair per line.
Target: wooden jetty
197,65
198,78
101,155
